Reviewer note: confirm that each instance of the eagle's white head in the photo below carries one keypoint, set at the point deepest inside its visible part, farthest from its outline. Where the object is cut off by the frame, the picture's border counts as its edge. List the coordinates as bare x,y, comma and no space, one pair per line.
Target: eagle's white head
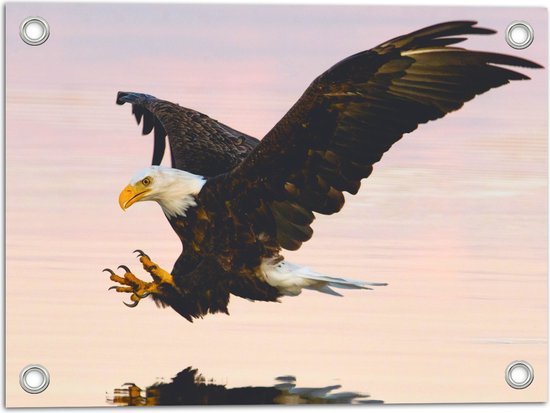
173,189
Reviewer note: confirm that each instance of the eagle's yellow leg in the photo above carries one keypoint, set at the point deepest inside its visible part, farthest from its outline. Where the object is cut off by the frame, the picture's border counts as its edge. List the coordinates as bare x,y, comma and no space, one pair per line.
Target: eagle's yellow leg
139,288
159,275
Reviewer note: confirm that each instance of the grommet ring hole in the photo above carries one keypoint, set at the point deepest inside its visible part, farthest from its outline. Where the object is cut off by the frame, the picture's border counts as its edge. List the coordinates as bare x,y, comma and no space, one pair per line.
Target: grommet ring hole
34,31
520,35
519,374
34,379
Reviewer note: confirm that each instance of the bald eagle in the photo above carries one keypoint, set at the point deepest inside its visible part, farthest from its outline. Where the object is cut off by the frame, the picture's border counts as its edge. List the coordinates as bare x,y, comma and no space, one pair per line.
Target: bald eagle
236,202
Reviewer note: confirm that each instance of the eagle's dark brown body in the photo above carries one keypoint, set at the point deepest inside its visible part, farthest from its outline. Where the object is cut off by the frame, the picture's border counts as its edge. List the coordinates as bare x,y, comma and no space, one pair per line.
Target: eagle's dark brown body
210,278
261,198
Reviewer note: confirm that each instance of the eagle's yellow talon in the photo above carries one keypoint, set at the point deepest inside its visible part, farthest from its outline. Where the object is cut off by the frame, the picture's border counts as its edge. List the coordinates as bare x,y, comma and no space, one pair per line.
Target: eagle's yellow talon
138,288
125,268
124,289
118,279
141,253
159,275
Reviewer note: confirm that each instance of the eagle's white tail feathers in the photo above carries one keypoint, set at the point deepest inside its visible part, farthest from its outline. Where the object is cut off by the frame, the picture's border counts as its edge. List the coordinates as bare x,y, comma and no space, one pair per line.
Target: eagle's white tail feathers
290,279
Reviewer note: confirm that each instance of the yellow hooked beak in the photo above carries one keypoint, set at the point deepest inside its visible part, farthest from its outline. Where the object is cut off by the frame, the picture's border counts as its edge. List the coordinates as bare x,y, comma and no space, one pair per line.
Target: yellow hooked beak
130,196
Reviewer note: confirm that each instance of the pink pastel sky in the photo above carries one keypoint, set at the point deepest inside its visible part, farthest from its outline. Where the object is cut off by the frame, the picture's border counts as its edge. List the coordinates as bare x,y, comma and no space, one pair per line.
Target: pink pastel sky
454,217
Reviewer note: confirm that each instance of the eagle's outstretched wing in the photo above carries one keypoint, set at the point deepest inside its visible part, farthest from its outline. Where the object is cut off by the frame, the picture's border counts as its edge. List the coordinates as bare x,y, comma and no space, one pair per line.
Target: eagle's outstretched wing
353,113
198,143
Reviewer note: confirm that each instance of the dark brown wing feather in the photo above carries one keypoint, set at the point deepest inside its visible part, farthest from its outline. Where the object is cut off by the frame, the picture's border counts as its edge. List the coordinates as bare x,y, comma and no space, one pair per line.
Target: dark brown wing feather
353,113
198,144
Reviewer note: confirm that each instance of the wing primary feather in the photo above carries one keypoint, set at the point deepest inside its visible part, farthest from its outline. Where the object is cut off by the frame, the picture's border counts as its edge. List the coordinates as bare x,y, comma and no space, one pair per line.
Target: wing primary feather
198,144
159,146
356,110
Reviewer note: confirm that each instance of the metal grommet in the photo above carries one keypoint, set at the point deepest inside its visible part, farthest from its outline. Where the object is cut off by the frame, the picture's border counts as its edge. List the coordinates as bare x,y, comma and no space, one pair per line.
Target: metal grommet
520,35
34,379
34,30
519,374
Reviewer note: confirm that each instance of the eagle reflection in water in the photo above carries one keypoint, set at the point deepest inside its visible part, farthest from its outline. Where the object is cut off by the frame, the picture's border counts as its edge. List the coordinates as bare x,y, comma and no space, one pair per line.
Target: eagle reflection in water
191,388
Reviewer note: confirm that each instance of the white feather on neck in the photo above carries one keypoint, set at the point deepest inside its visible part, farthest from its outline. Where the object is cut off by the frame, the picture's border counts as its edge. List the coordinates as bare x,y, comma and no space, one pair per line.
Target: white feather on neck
180,198
173,189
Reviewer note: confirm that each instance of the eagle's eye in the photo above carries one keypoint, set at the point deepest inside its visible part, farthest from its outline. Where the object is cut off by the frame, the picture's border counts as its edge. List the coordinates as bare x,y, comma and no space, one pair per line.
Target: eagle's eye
146,181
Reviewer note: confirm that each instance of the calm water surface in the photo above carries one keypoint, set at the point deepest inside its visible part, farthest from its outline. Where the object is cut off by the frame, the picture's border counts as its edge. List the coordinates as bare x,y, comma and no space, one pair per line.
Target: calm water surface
454,217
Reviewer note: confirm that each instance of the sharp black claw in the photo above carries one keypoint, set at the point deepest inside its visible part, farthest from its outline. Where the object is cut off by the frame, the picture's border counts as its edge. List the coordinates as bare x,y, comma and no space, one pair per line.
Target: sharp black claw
112,288
143,295
125,268
140,253
109,270
135,303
